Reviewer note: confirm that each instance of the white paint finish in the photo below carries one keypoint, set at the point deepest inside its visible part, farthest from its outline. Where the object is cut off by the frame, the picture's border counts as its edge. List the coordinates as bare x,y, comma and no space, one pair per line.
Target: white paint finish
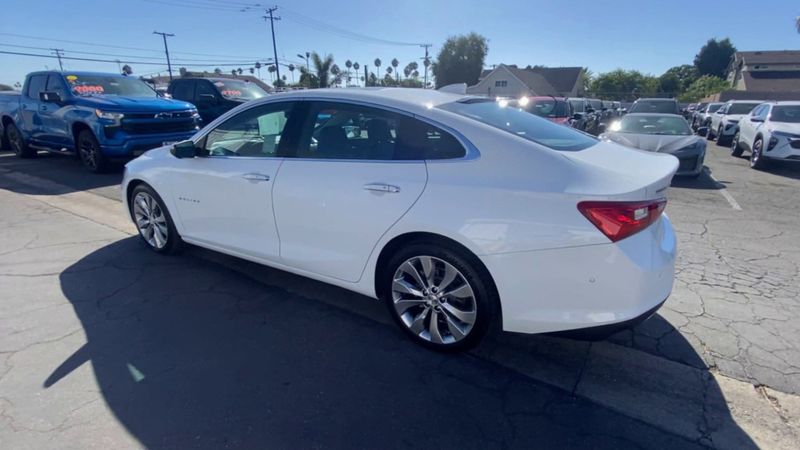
750,130
513,203
216,203
328,222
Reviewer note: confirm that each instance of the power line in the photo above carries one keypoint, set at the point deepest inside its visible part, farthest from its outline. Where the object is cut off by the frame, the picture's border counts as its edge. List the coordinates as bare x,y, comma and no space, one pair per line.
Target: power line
58,51
341,32
115,61
117,55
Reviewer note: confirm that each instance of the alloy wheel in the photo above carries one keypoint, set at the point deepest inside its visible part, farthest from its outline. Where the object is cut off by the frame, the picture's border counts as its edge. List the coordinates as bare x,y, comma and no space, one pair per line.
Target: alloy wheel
150,220
434,300
755,155
14,138
88,153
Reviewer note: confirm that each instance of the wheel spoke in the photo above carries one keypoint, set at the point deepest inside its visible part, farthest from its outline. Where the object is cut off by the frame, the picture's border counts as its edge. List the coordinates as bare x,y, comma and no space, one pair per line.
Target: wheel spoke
401,306
467,317
433,328
157,237
419,322
453,327
463,291
142,222
450,274
405,287
427,269
409,268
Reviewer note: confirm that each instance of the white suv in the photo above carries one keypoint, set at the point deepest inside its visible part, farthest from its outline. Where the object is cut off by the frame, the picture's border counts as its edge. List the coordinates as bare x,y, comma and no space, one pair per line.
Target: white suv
770,131
725,121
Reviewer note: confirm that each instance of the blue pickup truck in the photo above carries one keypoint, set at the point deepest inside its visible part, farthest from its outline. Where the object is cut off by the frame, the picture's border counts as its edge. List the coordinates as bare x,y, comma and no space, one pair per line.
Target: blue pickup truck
100,117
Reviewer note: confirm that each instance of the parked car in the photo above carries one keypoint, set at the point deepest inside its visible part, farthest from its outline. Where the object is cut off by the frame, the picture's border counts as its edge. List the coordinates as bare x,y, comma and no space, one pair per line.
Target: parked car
584,117
725,121
456,211
617,106
101,117
214,96
655,105
770,132
555,109
698,107
702,118
662,133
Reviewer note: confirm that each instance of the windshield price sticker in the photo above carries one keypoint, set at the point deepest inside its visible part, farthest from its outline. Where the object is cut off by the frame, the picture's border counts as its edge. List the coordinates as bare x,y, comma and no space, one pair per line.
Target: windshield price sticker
88,89
232,93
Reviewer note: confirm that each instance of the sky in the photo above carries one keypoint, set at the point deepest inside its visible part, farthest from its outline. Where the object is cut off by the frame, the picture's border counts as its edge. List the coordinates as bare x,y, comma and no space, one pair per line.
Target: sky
649,36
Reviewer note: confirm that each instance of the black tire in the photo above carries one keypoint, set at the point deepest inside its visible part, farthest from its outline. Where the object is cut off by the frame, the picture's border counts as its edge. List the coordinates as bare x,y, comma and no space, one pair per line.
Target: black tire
757,160
719,137
709,133
486,303
89,151
173,240
18,144
736,148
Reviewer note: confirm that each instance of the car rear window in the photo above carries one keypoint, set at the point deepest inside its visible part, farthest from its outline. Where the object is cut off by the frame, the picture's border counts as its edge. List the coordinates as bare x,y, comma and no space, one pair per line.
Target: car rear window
655,106
520,123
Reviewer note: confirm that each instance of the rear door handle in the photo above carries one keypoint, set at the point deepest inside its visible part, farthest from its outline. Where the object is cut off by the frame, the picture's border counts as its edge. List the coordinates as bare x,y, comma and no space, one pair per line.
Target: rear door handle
380,187
255,177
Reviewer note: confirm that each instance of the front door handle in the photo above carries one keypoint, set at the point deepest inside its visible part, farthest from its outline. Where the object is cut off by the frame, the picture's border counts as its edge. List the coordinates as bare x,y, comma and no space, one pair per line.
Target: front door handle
380,187
255,177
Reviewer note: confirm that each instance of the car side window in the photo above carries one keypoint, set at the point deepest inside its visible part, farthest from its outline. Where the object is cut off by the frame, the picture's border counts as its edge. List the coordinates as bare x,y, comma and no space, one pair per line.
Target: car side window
204,88
54,84
255,132
347,131
764,112
36,85
182,90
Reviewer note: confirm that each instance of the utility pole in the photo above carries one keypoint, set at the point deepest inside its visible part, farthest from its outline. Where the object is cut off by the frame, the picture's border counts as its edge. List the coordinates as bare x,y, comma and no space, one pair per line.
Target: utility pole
272,20
426,62
58,51
166,50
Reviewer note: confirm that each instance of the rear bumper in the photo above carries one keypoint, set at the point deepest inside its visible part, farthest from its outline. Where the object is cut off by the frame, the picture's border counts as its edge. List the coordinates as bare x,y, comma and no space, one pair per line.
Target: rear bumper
601,332
585,287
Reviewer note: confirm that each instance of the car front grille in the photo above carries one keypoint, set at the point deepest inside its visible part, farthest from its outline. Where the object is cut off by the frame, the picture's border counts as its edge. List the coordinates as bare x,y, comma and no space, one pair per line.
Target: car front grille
155,126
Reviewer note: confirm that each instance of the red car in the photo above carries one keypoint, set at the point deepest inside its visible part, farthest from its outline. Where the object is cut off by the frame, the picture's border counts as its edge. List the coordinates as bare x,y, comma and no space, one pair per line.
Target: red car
554,109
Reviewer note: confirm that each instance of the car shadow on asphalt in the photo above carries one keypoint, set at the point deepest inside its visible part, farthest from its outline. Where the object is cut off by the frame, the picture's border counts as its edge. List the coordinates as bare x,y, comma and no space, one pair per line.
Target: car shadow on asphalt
190,352
702,181
65,170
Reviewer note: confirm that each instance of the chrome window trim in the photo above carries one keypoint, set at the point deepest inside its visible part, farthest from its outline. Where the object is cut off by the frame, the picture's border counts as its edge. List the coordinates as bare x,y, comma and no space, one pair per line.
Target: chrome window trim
471,152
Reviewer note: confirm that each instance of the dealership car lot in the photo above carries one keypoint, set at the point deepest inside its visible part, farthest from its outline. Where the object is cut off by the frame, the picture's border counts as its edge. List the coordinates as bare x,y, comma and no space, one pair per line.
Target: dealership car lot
719,365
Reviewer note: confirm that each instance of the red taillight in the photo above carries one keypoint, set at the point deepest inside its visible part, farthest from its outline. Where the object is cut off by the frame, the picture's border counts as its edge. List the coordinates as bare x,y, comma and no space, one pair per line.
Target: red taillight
618,220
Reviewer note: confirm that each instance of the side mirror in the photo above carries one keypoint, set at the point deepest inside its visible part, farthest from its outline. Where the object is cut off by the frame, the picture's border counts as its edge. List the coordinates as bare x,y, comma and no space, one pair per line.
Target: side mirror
702,131
756,119
184,149
577,116
50,97
208,99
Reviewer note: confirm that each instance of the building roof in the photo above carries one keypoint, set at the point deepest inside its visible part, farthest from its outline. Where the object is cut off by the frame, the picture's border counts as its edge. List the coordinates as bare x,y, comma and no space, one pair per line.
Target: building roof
772,81
543,80
535,81
563,79
770,57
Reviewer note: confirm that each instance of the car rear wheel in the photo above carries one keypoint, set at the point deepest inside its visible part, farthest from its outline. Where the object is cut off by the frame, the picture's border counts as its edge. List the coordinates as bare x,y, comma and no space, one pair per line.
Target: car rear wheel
720,138
18,144
439,296
757,160
90,153
153,221
736,147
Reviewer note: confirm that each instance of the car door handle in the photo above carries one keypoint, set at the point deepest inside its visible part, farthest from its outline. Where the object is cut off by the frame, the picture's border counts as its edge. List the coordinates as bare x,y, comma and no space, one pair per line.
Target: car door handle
255,177
380,187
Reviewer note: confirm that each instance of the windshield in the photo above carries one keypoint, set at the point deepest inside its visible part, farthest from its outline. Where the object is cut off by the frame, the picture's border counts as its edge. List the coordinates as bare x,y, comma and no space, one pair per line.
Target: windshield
785,113
109,85
663,125
239,89
520,123
547,108
741,108
655,106
577,105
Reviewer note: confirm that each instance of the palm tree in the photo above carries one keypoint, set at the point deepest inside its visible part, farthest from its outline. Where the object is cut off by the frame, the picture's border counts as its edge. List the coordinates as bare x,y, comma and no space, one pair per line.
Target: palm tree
218,71
415,74
323,68
252,70
349,65
411,68
337,75
396,63
258,67
233,72
271,69
239,70
356,66
291,70
377,63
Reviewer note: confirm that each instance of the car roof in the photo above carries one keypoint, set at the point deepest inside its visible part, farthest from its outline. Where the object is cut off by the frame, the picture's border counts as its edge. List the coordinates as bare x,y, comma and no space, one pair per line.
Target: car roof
546,97
787,103
746,101
82,74
409,99
642,114
656,100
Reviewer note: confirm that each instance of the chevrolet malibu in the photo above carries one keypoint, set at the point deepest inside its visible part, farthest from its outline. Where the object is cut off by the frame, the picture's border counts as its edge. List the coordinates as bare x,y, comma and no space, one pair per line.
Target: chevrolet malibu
458,212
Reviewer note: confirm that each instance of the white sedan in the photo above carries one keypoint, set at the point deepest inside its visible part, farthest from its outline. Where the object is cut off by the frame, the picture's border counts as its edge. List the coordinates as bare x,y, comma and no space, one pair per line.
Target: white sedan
458,212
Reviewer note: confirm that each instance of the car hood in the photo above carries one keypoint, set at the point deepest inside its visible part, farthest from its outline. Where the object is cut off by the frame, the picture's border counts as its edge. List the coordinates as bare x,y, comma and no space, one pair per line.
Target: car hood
653,142
115,103
783,127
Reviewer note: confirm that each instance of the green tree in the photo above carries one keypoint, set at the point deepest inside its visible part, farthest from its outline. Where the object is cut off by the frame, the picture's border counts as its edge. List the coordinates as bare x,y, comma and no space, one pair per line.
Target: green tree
308,79
378,63
337,75
395,63
627,85
703,87
685,75
586,78
460,60
323,68
714,57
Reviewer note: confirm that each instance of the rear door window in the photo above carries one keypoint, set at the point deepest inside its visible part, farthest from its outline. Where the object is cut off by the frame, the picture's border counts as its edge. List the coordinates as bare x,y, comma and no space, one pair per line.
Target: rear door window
348,131
183,90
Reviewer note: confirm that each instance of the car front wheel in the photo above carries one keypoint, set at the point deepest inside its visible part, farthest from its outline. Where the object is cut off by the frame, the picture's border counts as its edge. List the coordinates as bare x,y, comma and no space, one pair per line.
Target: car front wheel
90,153
153,221
736,147
439,296
757,160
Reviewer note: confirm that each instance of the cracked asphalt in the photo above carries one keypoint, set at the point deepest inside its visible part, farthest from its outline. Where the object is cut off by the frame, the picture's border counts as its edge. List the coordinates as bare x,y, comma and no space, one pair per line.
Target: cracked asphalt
104,344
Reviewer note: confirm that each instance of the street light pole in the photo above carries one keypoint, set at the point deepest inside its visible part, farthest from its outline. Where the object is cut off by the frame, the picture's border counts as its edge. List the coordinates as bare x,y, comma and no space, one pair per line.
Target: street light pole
58,51
166,50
